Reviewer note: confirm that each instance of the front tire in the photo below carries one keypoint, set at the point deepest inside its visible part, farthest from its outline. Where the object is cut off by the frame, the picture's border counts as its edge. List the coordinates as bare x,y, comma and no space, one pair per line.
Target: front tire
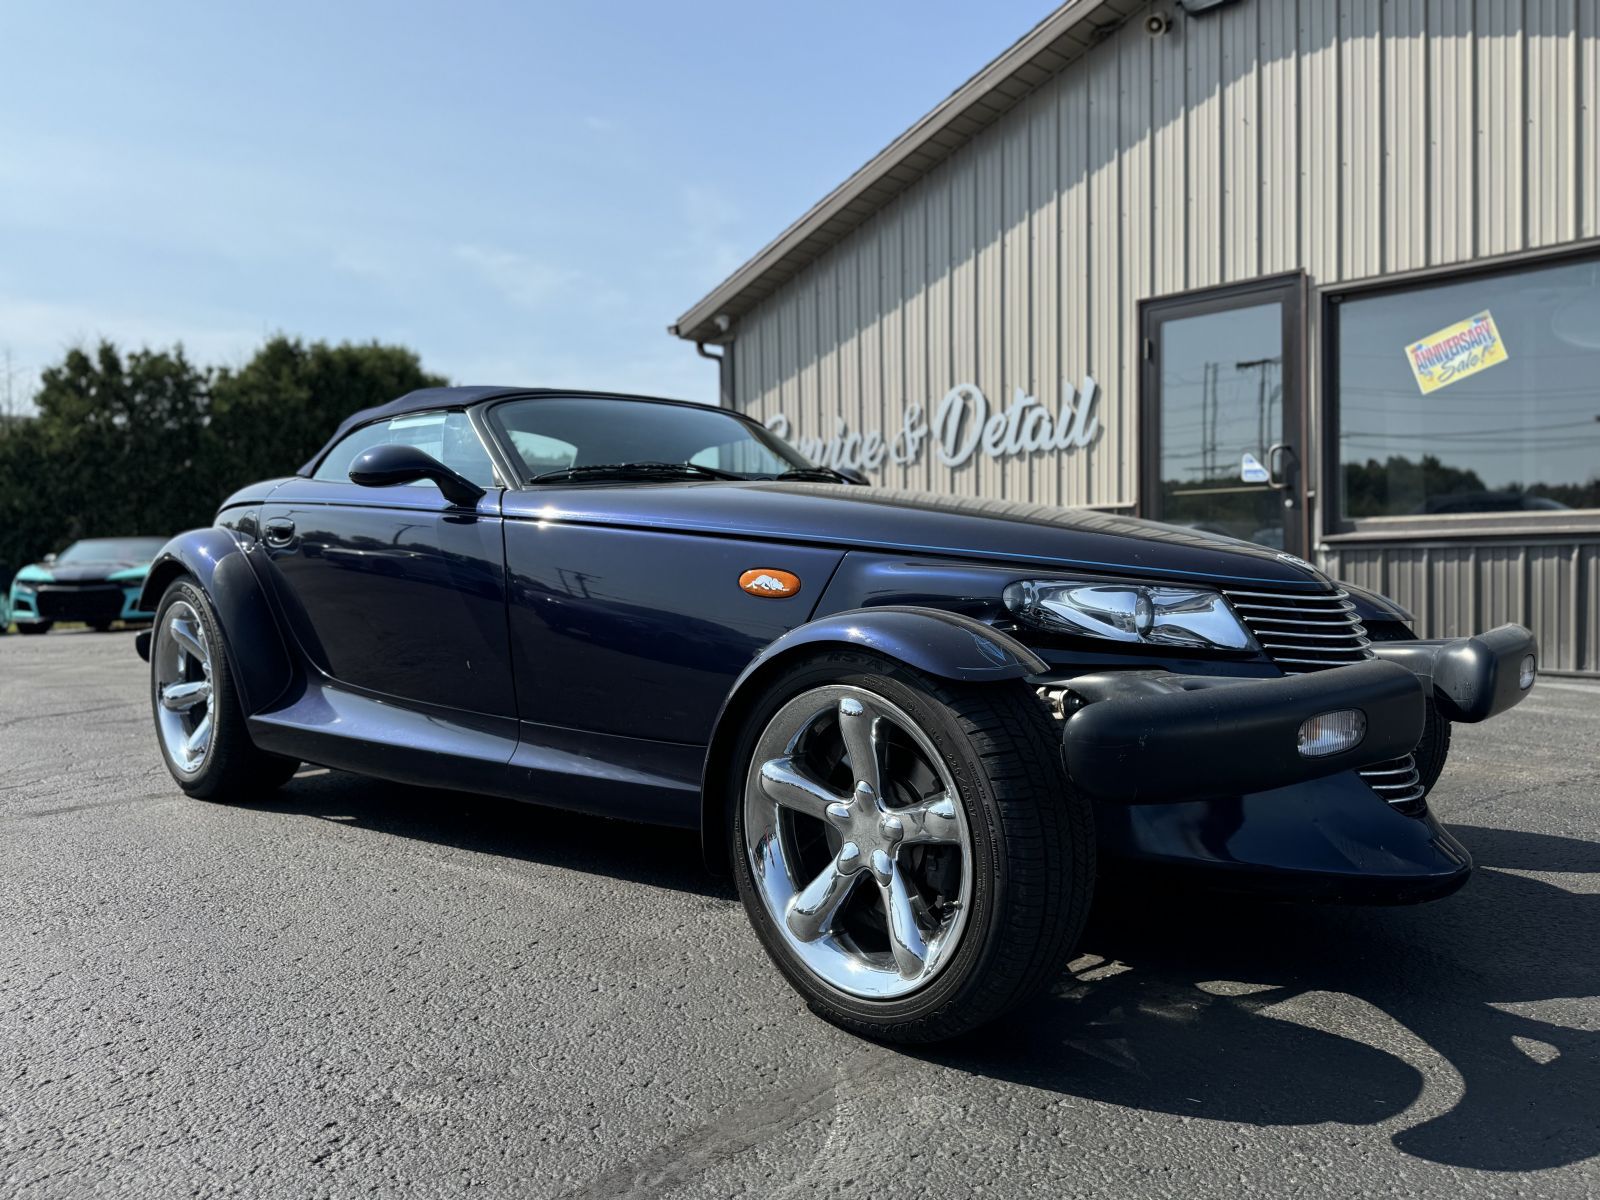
910,852
35,627
200,725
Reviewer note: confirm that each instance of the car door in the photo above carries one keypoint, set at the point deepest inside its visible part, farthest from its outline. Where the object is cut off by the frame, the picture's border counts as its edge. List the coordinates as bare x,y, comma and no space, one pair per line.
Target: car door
393,590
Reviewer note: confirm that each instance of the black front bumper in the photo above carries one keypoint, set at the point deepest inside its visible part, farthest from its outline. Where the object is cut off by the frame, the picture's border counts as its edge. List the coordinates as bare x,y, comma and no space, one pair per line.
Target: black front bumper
1204,773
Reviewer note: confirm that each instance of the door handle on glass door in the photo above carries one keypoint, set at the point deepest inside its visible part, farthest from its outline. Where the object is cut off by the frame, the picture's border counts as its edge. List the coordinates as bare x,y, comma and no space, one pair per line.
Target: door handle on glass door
1282,453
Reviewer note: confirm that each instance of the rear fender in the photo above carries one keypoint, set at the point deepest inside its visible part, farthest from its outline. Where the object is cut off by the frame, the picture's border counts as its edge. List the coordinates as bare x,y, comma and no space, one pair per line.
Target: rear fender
945,644
218,560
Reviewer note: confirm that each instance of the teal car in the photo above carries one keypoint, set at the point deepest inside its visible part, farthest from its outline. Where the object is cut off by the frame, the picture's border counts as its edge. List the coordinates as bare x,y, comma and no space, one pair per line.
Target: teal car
96,581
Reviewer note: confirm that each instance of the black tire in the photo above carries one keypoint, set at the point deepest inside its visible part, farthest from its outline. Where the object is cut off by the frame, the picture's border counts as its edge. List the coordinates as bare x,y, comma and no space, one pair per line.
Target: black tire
35,627
233,769
1031,837
1433,749
100,626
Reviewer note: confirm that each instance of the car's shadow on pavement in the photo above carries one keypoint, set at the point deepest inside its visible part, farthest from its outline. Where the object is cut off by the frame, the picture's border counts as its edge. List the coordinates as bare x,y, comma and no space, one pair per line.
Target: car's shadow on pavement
1215,1007
1223,1008
669,858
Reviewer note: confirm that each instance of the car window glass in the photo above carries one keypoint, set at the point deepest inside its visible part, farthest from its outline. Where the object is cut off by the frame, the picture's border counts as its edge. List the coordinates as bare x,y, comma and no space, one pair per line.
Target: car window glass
552,433
543,453
448,437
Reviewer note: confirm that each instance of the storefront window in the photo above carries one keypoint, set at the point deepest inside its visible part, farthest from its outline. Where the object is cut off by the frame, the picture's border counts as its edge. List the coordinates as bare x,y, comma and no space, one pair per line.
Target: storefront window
1480,395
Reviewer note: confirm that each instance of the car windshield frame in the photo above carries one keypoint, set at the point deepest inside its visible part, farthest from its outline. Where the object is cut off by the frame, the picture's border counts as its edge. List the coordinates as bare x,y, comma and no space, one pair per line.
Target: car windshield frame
154,544
527,475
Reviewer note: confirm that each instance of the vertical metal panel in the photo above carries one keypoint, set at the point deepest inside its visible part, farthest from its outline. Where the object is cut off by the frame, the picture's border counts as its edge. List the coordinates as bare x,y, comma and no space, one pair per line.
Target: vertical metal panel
1405,134
1453,142
1586,158
1170,164
865,412
1588,606
1280,148
1119,443
1320,229
1360,139
1451,592
941,261
1500,98
1240,32
1552,100
1406,572
966,336
1552,609
1502,579
1206,129
1078,315
1105,263
982,476
1016,292
1045,367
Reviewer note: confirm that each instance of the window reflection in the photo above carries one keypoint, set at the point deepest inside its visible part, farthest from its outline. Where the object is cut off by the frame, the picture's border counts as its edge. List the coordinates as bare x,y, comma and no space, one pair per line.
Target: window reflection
1513,422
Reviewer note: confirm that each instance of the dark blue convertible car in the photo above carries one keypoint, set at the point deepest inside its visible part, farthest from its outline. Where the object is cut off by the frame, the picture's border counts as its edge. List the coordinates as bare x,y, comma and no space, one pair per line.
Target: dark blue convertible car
912,726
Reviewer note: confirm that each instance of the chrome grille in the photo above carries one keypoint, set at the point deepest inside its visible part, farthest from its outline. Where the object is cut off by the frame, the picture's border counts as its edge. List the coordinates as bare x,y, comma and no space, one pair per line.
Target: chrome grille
1304,632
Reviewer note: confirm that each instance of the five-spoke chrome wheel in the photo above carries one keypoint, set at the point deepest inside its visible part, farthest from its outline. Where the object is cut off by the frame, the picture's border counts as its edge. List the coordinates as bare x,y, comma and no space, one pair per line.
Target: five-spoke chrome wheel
181,669
858,842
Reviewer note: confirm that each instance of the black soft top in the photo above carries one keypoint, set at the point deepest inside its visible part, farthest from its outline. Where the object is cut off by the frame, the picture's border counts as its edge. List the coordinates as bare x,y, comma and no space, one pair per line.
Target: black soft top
421,400
431,399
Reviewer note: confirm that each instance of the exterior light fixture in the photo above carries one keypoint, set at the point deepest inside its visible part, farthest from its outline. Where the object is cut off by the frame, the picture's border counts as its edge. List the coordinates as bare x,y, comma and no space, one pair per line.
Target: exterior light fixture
1332,733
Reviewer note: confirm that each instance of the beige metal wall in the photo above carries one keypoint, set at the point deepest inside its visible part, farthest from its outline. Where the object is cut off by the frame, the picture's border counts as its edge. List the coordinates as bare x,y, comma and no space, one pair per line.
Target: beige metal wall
1348,139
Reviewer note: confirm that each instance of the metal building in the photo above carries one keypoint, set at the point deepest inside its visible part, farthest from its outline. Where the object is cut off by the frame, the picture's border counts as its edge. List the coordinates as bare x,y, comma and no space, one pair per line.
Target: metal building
1320,275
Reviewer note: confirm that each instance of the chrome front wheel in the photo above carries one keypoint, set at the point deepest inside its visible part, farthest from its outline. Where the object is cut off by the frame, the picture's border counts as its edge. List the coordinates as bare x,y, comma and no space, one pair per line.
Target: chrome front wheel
909,850
858,842
180,664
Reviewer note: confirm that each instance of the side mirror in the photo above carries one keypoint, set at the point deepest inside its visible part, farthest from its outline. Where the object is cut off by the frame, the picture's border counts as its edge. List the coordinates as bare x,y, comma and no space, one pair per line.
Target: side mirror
48,559
396,463
854,476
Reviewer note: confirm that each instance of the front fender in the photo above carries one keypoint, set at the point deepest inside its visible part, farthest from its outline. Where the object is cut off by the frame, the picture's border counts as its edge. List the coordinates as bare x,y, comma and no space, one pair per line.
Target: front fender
219,562
935,641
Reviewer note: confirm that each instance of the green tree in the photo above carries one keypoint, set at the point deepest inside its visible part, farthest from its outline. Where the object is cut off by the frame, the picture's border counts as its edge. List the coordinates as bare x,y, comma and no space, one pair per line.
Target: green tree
149,443
115,427
277,410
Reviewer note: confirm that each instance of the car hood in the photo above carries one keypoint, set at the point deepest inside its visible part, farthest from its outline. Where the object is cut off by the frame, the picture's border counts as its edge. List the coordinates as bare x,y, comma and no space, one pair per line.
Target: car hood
84,572
922,523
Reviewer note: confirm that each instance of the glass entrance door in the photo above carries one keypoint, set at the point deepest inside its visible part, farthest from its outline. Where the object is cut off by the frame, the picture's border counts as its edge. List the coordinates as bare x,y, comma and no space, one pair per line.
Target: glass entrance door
1221,409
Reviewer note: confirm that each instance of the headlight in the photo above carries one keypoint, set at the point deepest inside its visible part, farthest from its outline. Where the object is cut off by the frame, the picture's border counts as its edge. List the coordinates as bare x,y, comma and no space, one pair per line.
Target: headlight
1130,612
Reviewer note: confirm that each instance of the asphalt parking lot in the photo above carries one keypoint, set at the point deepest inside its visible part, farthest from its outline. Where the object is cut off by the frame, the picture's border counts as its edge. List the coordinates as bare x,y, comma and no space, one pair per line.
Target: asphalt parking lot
365,989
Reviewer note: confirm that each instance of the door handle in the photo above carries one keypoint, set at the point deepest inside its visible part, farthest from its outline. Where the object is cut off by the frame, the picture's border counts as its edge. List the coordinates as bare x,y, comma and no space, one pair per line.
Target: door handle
278,532
1284,452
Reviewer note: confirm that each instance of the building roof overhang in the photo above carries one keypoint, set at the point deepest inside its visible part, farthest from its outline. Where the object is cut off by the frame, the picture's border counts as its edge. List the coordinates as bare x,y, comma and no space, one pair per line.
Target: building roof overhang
1065,35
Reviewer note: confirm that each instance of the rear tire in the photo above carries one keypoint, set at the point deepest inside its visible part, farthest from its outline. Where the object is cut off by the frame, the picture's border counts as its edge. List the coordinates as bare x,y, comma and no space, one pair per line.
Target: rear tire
100,626
34,627
200,725
847,874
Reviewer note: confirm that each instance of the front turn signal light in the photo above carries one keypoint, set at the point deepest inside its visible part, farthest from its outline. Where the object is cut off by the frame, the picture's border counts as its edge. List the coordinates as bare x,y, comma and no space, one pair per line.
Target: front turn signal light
1332,733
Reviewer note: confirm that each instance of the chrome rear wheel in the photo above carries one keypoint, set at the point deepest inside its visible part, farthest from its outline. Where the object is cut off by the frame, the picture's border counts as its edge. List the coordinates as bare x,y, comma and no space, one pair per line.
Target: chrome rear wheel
858,842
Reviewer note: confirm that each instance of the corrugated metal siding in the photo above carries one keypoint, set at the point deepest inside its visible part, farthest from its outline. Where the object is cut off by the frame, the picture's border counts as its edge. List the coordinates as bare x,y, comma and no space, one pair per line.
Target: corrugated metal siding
1454,589
1347,139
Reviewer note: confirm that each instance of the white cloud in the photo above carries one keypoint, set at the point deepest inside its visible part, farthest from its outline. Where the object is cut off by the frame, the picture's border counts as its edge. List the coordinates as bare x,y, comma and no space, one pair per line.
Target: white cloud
524,281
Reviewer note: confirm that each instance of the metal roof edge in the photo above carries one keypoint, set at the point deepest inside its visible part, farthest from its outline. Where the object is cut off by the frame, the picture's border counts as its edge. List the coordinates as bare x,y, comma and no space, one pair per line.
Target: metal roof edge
699,323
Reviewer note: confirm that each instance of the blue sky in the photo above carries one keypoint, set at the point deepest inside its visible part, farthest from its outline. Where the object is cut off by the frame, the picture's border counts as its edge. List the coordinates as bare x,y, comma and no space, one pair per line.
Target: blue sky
524,193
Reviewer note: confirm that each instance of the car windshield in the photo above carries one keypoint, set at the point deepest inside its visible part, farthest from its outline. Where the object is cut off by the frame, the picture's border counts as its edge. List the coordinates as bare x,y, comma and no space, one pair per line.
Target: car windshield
130,550
578,436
